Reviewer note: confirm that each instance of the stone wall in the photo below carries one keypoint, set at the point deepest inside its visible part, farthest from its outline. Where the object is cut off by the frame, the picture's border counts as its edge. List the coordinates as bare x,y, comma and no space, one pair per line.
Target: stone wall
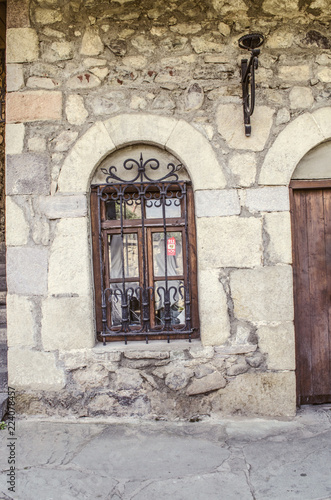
85,78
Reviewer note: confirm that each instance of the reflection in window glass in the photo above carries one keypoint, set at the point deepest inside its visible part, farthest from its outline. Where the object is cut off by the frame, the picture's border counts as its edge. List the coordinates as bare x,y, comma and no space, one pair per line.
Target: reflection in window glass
154,209
132,296
177,302
173,250
130,253
131,210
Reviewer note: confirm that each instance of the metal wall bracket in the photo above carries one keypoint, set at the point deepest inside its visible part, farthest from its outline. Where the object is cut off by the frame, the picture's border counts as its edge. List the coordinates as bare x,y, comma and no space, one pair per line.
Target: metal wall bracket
249,42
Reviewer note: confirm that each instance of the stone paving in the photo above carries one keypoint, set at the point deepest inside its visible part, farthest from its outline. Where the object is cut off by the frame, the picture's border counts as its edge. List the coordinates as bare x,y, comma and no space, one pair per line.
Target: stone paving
130,460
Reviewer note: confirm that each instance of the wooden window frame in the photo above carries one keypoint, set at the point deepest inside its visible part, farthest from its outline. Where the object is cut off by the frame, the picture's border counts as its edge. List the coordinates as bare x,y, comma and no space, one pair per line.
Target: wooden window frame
108,227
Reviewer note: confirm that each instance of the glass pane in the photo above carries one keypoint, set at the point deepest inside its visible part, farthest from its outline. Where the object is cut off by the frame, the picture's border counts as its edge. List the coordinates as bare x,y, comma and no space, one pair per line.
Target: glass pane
154,209
177,302
130,254
117,297
173,251
131,210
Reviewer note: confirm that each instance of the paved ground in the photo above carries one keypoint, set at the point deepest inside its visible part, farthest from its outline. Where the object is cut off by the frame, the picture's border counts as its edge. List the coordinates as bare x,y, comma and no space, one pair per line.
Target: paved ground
235,459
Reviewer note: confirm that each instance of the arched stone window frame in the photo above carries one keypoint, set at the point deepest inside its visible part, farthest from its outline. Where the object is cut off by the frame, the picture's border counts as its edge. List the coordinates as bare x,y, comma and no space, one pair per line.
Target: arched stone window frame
192,149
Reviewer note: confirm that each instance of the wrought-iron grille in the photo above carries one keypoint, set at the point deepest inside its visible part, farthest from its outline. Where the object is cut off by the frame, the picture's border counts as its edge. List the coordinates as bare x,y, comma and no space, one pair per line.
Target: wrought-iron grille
144,253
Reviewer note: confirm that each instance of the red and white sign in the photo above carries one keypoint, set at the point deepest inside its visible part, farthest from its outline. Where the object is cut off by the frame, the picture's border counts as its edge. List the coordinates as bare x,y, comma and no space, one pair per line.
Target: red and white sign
171,246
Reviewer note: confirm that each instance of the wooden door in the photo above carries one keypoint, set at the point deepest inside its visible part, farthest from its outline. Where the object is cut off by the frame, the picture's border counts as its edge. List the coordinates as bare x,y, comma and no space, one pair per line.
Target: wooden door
311,230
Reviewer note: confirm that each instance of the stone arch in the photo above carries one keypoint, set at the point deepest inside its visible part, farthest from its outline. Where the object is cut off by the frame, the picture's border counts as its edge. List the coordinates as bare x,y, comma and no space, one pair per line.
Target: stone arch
103,138
297,138
177,136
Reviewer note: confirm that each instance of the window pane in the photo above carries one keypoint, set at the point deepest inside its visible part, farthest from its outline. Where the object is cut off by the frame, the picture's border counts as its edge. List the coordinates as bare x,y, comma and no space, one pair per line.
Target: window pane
173,250
177,302
131,210
130,253
154,209
119,296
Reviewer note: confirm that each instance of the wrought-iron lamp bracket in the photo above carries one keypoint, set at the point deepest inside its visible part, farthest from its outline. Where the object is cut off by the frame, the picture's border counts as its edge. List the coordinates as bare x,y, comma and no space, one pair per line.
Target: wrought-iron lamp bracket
249,42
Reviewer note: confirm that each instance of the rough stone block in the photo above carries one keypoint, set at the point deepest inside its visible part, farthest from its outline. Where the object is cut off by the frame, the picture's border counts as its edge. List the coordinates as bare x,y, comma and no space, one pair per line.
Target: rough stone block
213,203
27,270
21,321
267,199
235,242
34,370
17,227
278,342
47,16
211,382
17,14
67,323
263,294
28,174
243,168
299,73
14,77
278,229
229,120
91,43
260,394
22,45
280,39
75,110
301,98
324,75
68,269
39,105
14,138
213,309
178,378
61,207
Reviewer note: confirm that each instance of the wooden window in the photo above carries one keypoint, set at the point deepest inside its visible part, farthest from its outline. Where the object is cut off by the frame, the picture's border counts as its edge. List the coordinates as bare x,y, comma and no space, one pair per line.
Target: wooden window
144,256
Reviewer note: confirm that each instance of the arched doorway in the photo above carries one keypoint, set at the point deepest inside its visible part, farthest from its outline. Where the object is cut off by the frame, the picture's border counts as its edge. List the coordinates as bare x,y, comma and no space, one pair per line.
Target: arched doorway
310,195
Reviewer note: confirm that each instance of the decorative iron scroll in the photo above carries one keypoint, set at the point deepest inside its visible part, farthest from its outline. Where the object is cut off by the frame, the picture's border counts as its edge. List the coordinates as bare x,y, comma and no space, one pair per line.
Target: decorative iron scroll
128,302
141,175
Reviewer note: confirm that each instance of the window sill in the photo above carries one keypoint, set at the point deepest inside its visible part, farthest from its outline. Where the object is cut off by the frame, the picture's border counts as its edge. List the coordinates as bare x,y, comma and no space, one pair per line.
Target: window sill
153,346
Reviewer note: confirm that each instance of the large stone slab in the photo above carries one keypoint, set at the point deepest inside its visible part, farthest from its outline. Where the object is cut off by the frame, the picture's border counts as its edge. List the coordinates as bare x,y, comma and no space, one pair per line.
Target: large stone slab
17,14
27,270
17,227
229,242
14,77
213,203
68,268
38,105
14,138
67,323
28,174
277,341
230,124
21,321
267,199
263,294
22,45
61,207
261,394
279,244
34,370
213,309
